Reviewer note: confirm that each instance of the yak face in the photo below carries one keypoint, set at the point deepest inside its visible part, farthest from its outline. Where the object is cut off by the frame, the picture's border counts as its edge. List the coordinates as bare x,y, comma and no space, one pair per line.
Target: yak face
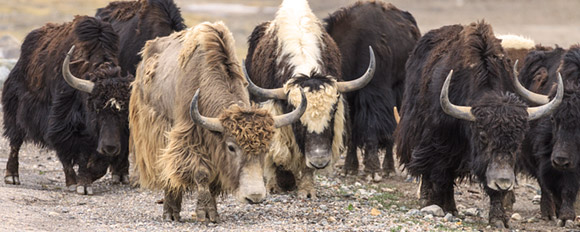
108,108
566,129
247,136
314,135
498,131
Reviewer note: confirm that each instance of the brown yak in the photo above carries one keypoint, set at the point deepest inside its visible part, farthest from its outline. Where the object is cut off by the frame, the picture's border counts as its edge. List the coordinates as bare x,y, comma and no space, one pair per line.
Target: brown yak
176,148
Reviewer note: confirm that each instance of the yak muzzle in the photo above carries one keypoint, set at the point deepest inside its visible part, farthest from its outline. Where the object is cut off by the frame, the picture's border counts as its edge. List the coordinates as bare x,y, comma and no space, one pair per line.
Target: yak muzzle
108,149
561,163
252,189
501,179
318,158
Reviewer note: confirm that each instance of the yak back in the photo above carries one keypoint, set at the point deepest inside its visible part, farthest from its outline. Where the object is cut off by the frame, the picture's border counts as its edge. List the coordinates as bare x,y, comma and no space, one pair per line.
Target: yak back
480,79
393,34
173,68
139,21
35,87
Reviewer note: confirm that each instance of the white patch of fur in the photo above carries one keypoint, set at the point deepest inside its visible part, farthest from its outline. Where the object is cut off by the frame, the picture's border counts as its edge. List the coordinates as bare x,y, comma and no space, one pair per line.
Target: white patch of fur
299,34
516,41
113,103
317,116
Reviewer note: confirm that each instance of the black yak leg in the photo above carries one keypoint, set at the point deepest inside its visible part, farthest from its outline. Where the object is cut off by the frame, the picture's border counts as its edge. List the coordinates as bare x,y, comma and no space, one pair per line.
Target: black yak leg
508,201
90,169
351,161
371,161
206,205
564,191
425,191
172,205
120,169
12,164
547,207
70,175
442,194
388,162
497,214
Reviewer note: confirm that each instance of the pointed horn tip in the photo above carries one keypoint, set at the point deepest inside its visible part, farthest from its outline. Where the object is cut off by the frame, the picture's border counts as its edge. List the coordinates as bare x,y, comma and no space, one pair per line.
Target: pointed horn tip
70,52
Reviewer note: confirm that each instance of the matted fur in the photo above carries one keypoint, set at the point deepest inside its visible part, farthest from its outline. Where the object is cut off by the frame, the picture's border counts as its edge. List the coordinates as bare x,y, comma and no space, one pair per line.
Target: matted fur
170,149
318,115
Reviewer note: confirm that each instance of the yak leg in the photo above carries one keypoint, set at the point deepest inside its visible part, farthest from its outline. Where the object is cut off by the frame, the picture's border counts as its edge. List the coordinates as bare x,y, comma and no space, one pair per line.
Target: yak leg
70,175
564,193
351,161
508,201
120,169
306,185
442,194
12,164
172,205
497,214
388,162
547,205
90,169
206,205
425,192
371,161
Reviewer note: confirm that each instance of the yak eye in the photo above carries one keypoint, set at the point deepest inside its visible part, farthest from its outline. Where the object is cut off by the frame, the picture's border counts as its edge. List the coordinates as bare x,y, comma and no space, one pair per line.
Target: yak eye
231,148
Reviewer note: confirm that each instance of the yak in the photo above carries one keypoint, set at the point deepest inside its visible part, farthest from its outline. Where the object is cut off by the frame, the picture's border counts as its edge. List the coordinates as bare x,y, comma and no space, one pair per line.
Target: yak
480,137
290,53
178,149
550,149
85,118
393,34
139,21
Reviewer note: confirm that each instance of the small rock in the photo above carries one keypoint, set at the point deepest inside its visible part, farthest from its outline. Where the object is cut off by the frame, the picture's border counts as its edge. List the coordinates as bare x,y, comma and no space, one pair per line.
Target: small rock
54,214
331,219
323,207
516,217
433,210
461,207
403,208
536,200
469,220
414,212
375,212
449,217
428,217
472,212
357,184
532,220
388,190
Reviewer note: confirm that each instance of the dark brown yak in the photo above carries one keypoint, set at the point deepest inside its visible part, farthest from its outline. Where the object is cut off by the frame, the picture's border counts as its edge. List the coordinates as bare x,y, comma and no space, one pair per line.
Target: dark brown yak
392,33
84,121
290,53
480,137
178,149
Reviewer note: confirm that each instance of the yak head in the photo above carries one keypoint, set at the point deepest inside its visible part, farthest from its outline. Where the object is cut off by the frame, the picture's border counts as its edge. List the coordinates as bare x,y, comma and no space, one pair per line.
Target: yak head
498,128
315,133
566,129
107,103
246,136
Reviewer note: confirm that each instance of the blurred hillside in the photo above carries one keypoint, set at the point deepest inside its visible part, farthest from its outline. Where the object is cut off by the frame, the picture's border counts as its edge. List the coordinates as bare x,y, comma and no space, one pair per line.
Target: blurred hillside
547,22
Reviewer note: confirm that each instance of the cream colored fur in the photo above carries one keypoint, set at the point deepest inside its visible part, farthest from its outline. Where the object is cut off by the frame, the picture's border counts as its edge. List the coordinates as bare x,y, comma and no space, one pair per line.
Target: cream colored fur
516,41
320,103
299,34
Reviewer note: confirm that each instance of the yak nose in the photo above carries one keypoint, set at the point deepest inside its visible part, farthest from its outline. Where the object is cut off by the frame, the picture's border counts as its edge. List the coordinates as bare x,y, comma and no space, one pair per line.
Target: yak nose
560,162
504,184
108,150
319,158
255,198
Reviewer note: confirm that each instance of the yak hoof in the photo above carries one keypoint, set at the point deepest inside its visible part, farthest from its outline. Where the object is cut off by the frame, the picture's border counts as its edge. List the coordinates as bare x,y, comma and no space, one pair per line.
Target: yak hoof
12,180
72,188
210,215
115,179
568,223
303,194
84,190
375,177
498,224
169,217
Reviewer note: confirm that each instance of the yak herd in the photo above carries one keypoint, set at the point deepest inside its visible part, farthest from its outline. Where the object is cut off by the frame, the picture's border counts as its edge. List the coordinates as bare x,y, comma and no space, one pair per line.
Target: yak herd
136,80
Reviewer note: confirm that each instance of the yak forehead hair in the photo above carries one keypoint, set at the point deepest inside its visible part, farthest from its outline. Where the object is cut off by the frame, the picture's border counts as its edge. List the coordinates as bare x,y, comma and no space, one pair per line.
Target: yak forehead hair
322,99
111,90
516,41
568,111
299,34
504,119
253,128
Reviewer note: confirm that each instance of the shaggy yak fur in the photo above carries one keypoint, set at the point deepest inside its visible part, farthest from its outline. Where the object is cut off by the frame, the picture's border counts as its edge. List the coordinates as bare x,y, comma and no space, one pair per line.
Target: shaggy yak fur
517,47
139,21
172,152
441,148
40,107
392,33
294,51
550,150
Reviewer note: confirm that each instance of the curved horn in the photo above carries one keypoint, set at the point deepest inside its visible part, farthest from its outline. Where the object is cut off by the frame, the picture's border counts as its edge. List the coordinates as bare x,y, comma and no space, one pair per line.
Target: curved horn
539,99
359,83
460,112
540,111
267,93
77,83
212,124
289,118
